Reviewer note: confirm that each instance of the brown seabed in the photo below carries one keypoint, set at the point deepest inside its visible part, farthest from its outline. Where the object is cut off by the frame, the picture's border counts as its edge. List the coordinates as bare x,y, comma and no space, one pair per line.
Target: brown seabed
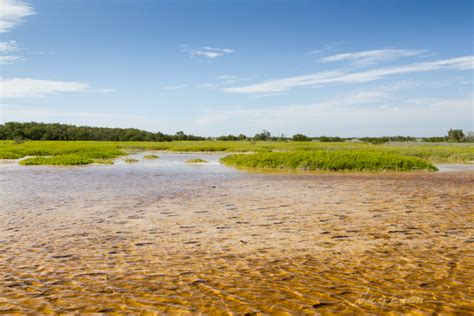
375,243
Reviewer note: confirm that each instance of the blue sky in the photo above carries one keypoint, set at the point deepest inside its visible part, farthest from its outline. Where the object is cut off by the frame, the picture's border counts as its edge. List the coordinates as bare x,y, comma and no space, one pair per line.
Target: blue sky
345,68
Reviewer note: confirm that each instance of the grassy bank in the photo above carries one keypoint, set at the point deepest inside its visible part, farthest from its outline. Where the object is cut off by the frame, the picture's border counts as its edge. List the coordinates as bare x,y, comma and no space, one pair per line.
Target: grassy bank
329,161
60,153
86,152
197,160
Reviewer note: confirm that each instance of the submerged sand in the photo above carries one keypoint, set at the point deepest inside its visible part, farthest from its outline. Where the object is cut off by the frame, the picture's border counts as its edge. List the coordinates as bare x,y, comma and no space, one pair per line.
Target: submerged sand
189,239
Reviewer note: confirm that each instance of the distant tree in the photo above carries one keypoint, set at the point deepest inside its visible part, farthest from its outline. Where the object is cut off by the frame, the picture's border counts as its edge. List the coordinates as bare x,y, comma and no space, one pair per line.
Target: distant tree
469,137
436,139
282,137
228,138
456,135
330,139
301,138
264,135
45,131
241,137
180,136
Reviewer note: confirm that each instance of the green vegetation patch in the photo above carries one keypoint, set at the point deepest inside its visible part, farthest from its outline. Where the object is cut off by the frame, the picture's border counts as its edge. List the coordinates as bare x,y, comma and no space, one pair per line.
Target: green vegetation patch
329,161
63,160
130,160
60,152
149,157
104,161
197,160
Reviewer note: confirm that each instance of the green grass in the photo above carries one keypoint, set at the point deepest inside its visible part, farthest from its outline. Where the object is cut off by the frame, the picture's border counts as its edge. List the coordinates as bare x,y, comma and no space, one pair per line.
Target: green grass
149,157
86,152
329,161
63,160
99,150
104,161
197,160
60,153
130,160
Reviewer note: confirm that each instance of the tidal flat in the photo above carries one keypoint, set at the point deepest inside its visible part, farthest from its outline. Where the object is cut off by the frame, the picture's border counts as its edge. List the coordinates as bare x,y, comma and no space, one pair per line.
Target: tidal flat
164,236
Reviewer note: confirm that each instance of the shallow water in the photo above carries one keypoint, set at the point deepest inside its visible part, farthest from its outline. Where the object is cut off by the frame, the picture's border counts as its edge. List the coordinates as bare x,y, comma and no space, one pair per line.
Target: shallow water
455,167
165,236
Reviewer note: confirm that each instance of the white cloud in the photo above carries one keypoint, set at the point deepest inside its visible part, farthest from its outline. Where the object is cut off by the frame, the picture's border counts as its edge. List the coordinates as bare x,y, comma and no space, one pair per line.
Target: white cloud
8,59
12,13
76,115
27,87
278,114
369,57
266,95
341,76
224,81
105,90
32,113
9,46
208,52
6,48
347,116
323,49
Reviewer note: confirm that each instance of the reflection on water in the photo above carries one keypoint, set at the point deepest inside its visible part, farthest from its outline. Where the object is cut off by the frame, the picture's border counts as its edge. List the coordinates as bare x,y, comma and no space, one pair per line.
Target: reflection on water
165,236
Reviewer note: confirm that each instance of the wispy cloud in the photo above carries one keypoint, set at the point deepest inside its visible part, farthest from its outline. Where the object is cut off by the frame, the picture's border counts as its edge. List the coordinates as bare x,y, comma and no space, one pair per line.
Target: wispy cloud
207,52
280,113
369,57
5,60
11,112
268,95
342,76
9,46
27,87
212,52
105,90
323,49
12,13
347,115
224,81
7,50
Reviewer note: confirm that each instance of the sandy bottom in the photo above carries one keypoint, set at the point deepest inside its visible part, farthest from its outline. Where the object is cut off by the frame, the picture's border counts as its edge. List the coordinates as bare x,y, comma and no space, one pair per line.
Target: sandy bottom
220,241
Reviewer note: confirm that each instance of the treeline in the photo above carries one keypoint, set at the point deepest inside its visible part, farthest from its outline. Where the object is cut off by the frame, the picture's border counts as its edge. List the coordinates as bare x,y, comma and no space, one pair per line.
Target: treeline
56,131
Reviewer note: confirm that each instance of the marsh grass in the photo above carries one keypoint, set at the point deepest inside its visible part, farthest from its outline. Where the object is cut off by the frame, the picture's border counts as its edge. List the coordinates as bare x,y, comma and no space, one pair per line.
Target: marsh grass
85,152
197,160
104,161
150,157
130,160
100,150
59,160
329,161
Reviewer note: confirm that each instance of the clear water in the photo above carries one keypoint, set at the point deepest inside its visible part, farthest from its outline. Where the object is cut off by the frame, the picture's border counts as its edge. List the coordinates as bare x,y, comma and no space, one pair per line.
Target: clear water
166,236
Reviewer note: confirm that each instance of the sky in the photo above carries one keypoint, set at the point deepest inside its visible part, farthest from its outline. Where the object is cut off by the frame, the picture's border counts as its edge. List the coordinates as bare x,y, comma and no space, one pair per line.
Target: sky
338,68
